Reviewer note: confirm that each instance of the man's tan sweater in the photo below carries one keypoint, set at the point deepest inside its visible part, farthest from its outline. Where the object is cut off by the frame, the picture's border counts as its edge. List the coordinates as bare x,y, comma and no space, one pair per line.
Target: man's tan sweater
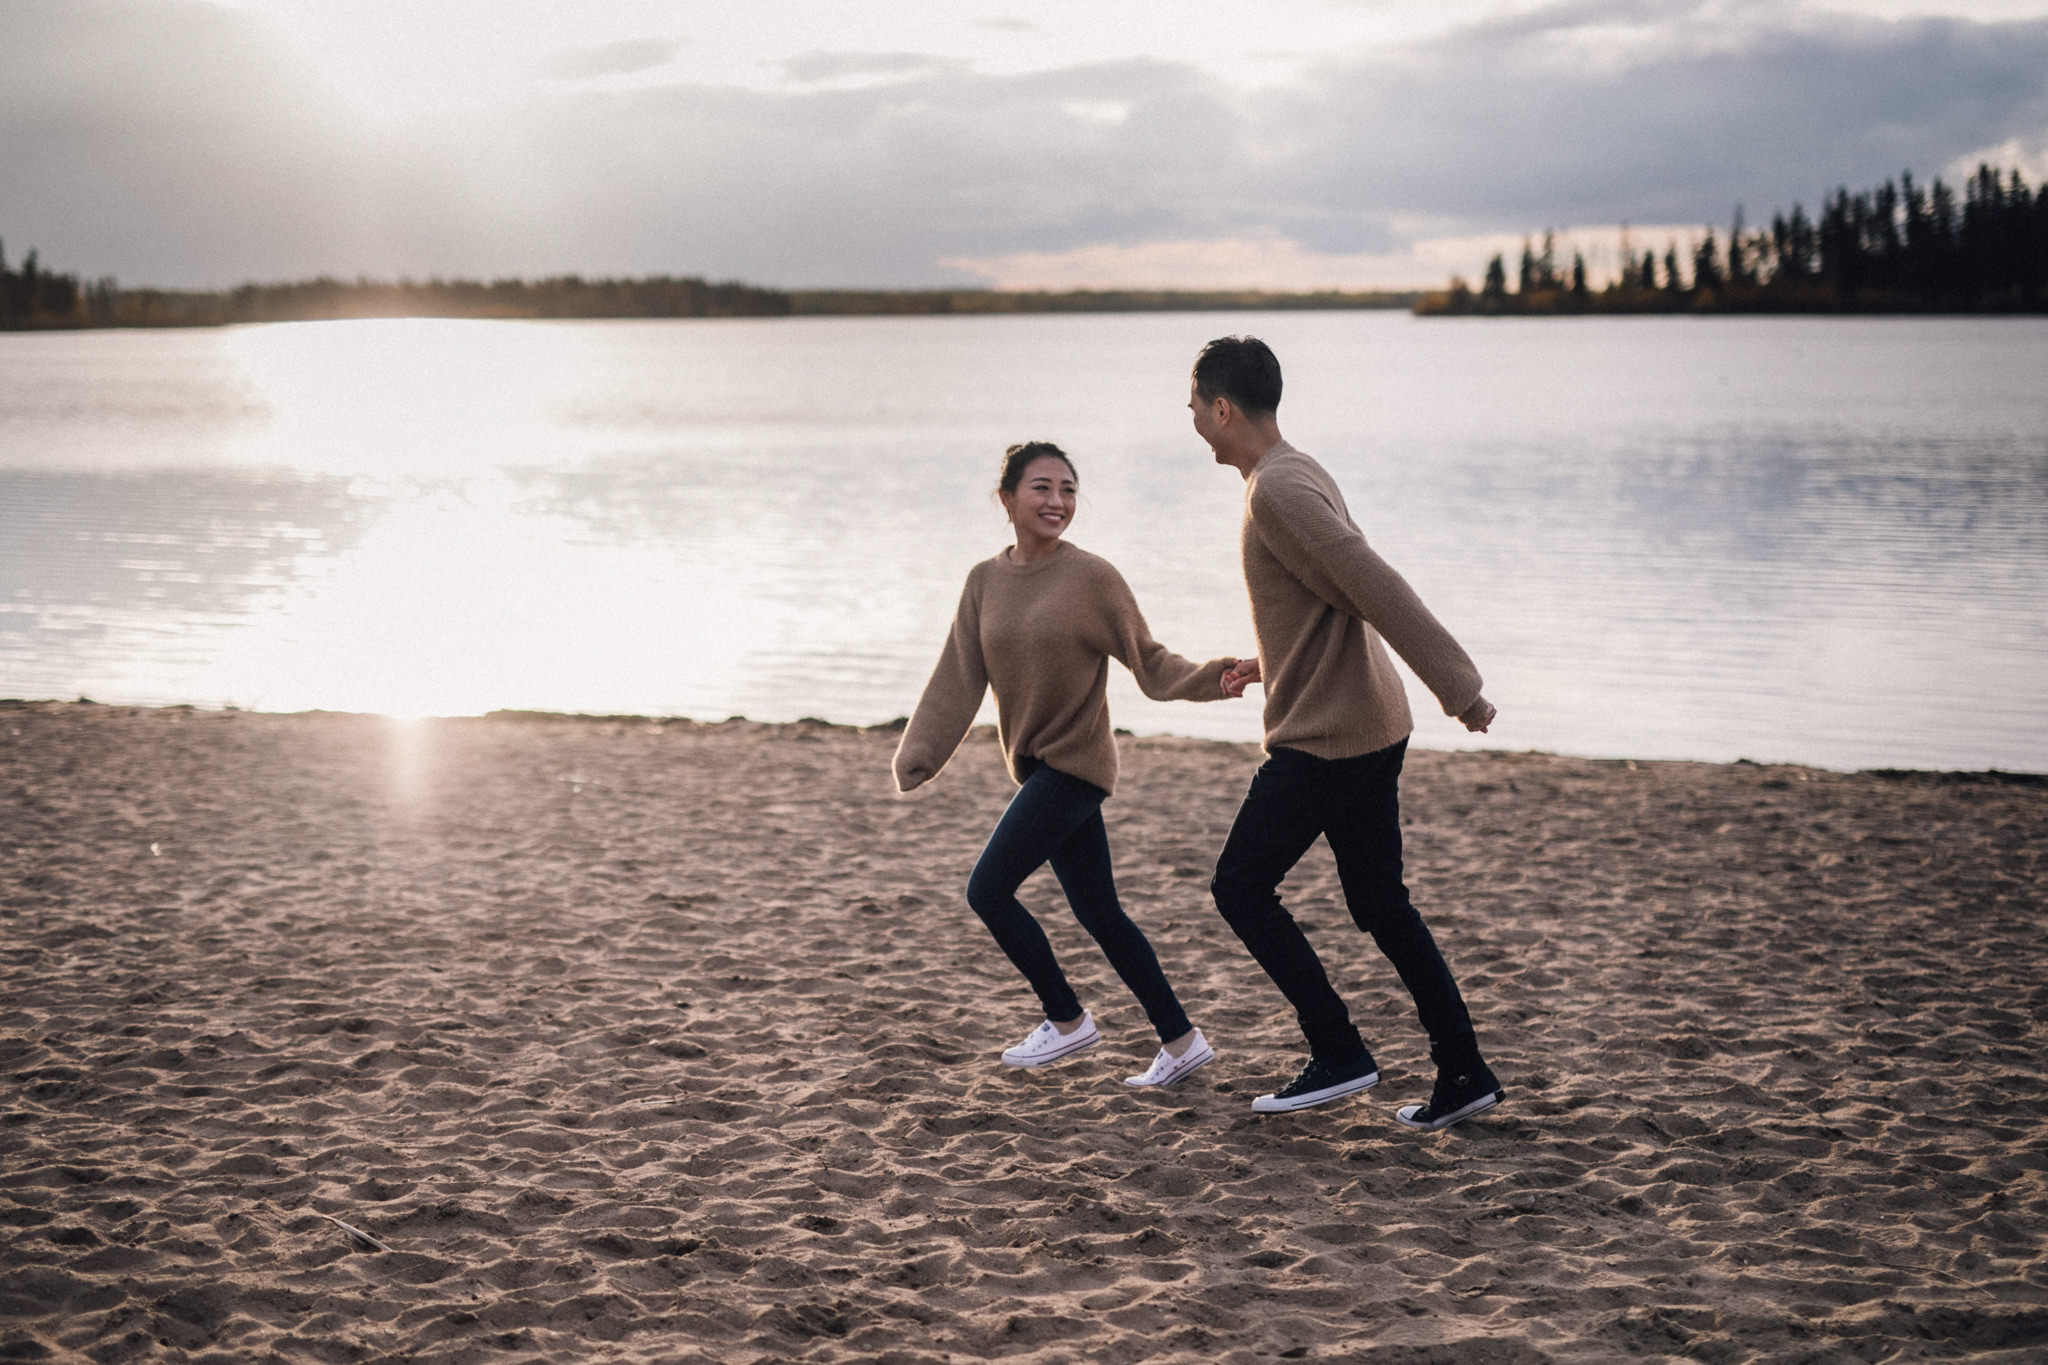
1042,635
1322,603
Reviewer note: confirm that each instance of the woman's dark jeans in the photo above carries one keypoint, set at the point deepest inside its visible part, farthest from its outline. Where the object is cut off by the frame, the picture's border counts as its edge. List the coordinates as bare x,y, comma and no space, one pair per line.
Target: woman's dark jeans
1058,819
1355,804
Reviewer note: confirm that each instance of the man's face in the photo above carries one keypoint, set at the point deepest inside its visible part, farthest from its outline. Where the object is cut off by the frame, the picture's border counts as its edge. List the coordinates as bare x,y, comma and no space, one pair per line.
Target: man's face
1208,414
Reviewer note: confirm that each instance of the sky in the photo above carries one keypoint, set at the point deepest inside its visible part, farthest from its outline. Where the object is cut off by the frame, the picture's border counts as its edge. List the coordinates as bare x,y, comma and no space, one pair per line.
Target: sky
1296,144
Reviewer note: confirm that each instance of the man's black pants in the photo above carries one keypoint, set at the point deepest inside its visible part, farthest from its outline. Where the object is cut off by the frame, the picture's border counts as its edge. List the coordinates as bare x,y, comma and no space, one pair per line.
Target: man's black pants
1354,803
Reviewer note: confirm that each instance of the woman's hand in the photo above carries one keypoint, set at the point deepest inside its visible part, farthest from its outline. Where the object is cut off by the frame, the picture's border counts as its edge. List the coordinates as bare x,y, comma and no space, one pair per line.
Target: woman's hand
1478,716
1240,675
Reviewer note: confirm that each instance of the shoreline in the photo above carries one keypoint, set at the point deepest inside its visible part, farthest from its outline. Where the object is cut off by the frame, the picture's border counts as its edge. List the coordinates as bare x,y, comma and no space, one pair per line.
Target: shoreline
100,307
554,1037
2018,776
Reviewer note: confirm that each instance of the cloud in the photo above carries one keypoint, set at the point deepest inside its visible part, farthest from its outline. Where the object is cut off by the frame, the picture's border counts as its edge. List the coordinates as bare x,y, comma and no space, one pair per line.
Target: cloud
1267,261
1682,119
2027,155
1123,165
816,68
147,138
175,142
873,184
625,58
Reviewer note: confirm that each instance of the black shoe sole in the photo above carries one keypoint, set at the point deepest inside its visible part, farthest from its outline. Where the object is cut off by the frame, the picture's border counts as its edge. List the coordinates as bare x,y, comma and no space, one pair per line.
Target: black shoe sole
1410,1115
1273,1104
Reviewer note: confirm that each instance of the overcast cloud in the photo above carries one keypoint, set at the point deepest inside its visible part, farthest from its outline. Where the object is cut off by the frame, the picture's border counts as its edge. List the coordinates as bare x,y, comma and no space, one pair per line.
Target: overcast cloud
627,57
178,143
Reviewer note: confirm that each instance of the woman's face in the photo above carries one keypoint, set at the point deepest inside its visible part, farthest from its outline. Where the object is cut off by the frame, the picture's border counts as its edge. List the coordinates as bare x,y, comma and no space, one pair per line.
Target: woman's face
1043,506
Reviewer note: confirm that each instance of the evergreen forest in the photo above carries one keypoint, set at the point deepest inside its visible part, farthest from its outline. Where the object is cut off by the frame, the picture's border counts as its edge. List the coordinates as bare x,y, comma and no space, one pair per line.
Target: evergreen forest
1900,248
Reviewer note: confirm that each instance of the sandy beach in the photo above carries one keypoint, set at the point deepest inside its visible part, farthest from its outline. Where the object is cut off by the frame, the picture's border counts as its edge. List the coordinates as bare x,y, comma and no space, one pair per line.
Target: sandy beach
332,1038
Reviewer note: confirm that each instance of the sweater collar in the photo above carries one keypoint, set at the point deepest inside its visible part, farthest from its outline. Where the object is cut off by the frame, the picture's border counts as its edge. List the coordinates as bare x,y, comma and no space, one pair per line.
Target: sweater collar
1277,449
1006,558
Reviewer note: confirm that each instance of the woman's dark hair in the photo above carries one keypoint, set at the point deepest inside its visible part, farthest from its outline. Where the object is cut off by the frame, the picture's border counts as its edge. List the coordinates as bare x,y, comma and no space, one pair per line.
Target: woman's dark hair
1242,369
1018,458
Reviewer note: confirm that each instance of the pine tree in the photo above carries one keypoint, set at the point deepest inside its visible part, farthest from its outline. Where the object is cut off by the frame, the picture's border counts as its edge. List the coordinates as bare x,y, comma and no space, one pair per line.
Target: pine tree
1706,263
1494,291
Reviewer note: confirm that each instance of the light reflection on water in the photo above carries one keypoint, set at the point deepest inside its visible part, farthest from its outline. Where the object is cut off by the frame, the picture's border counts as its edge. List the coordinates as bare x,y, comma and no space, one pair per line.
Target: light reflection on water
1816,540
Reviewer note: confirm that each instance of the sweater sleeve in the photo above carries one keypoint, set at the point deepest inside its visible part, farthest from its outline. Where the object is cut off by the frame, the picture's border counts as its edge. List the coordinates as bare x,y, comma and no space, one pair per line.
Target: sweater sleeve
950,699
1318,544
1162,674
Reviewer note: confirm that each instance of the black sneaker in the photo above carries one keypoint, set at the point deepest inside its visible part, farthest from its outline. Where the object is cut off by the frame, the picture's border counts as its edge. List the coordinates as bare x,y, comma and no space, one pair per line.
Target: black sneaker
1454,1099
1318,1083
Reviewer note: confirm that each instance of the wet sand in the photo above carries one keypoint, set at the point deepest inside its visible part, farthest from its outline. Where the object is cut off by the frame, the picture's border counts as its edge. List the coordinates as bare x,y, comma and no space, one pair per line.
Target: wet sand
534,1038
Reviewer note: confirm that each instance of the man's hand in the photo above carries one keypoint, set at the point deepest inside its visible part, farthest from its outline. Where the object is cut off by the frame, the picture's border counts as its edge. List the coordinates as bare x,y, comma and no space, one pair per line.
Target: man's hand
1478,716
1239,676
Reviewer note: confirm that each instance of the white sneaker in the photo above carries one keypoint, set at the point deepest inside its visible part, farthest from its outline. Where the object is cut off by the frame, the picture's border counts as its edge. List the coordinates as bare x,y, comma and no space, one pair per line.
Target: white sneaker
1167,1068
1047,1044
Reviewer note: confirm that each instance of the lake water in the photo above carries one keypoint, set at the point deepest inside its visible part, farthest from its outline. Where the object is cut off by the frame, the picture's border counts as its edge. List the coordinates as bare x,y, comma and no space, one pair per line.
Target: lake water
1811,540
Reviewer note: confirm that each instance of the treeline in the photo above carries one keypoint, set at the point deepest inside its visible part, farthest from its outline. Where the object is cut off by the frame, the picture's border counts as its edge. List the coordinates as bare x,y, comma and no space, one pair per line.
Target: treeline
32,294
47,300
870,302
1901,248
38,298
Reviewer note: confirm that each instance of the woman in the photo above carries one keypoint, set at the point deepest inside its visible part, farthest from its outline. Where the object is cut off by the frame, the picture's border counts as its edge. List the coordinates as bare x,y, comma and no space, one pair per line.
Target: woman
1039,623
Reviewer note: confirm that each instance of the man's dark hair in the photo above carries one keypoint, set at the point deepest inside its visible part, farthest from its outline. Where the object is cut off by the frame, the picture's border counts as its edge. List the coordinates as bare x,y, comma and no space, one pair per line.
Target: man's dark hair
1242,369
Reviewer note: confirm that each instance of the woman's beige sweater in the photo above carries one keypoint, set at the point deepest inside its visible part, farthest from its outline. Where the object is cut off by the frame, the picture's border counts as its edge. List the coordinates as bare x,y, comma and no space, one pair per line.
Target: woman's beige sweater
1042,635
1322,602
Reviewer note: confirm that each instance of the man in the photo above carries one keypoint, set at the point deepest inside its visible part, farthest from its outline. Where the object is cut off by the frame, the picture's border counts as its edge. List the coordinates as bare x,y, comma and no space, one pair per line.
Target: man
1324,609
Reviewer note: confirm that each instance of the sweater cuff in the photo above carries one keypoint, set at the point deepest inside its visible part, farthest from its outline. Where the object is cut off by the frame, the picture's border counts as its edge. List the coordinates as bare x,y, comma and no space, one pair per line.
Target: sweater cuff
1209,681
1454,709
